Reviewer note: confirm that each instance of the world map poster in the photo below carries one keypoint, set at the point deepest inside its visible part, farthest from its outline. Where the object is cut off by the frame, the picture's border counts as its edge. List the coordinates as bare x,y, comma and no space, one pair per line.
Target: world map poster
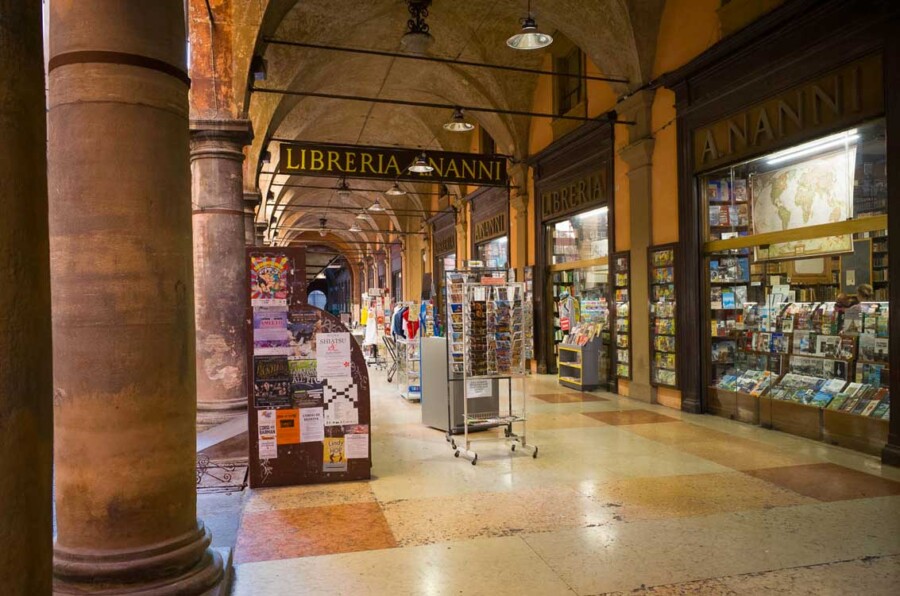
817,191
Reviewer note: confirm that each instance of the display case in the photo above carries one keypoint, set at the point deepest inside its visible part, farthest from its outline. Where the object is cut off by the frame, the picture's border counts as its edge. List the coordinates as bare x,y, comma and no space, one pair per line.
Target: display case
622,330
528,313
663,354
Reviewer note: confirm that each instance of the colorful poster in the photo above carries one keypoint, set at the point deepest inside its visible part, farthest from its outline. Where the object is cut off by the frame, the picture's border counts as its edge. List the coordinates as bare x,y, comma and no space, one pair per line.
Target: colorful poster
302,328
356,441
334,459
269,280
270,332
312,425
287,429
333,355
271,382
303,373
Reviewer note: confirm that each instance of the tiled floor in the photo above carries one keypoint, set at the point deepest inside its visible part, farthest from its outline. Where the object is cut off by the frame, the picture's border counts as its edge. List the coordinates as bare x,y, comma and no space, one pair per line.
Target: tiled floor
623,497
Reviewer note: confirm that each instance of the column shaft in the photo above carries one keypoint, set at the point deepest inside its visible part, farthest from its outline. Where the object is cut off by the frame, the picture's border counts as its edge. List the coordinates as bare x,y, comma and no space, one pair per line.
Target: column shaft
123,319
26,420
220,292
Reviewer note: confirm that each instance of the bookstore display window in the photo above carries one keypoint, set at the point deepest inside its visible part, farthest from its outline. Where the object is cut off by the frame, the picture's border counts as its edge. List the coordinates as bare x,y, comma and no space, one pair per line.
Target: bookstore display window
494,253
800,315
443,264
578,254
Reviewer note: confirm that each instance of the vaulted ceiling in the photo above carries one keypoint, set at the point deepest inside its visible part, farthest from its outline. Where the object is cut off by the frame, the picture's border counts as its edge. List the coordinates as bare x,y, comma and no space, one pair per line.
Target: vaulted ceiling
618,36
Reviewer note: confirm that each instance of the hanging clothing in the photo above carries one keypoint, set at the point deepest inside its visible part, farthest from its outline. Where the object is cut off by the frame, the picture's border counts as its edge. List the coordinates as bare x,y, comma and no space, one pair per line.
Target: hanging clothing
397,322
411,328
371,330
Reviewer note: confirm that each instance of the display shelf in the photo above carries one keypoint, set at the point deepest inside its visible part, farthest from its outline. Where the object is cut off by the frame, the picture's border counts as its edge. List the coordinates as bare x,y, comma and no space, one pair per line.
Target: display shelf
663,343
577,364
622,327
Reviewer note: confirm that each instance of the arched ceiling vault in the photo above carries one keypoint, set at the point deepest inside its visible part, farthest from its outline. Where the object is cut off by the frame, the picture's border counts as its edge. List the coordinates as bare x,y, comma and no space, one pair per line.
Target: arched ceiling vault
618,36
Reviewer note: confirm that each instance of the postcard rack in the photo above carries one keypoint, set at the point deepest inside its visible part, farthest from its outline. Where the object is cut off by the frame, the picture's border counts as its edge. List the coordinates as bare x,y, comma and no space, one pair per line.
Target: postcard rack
493,331
409,369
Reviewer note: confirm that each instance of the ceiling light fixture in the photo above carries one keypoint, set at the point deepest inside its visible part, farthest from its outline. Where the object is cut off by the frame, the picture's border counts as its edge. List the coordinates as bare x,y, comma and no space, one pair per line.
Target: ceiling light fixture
376,207
321,275
343,190
529,38
259,68
322,223
458,122
395,191
355,227
421,165
266,157
417,38
362,215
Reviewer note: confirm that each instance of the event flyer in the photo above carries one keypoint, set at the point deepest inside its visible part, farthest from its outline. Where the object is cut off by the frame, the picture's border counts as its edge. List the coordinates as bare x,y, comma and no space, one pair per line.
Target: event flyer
356,441
312,425
333,355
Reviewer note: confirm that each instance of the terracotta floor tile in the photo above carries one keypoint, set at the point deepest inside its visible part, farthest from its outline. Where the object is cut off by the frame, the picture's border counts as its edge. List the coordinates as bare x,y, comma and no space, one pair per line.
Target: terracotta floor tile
627,417
828,482
311,531
549,421
690,495
568,398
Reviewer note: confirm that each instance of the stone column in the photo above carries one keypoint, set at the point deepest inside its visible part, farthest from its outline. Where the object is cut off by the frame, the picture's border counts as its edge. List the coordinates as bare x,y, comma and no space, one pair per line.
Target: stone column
462,235
251,202
260,227
220,278
26,419
123,316
638,156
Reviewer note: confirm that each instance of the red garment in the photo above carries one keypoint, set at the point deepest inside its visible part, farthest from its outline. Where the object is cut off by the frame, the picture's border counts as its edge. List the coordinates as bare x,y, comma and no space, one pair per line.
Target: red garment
412,327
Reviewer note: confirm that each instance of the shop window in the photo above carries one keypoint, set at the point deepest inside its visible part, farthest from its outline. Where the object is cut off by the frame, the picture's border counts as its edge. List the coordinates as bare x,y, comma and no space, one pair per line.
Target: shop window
569,90
796,261
493,253
585,236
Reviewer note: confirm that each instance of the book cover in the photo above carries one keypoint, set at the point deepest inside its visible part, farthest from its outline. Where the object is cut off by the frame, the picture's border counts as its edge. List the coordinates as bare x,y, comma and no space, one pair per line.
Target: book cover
739,188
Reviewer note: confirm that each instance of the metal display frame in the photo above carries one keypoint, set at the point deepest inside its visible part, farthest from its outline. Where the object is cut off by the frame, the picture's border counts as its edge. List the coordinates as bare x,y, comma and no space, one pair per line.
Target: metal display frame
515,320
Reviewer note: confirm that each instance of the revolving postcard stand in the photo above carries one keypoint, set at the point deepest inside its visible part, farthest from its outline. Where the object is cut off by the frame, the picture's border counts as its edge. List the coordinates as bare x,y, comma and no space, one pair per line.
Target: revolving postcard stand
309,414
493,329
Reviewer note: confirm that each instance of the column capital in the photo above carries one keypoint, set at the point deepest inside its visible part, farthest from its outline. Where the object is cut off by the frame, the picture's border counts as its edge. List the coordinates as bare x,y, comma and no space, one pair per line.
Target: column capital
518,200
638,108
638,154
220,139
252,198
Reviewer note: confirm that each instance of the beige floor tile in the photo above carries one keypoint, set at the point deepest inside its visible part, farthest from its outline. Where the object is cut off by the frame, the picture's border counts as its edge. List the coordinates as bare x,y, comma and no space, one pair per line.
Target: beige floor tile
476,515
690,495
494,566
317,495
871,576
615,557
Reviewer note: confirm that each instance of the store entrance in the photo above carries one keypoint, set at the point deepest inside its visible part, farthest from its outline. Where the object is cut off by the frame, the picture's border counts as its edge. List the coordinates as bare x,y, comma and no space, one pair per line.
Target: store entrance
579,289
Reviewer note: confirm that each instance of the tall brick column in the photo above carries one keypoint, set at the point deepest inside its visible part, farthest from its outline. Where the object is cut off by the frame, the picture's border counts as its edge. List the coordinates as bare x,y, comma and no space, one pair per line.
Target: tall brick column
123,312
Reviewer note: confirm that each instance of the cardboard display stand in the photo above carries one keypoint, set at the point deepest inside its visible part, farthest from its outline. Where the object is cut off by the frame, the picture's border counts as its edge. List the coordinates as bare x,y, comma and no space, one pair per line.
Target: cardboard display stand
309,417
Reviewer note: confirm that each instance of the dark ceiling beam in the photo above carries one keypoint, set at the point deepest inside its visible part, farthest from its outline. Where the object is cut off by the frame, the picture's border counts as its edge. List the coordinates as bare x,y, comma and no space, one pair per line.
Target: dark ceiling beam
452,61
608,116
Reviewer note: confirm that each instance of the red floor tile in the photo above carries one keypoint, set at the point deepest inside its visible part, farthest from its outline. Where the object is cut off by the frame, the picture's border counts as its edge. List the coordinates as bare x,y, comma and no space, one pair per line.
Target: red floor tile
625,417
828,482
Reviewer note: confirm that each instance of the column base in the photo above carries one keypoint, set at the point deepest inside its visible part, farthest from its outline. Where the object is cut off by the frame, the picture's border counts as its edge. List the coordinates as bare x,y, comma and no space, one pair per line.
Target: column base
890,455
691,403
185,565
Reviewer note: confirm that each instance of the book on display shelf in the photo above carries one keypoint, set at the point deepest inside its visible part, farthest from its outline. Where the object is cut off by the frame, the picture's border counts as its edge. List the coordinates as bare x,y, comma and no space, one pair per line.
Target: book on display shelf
663,325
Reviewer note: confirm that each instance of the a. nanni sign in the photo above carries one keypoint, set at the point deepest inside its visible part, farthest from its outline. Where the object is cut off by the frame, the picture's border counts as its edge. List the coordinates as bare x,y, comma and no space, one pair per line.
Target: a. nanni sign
386,163
845,96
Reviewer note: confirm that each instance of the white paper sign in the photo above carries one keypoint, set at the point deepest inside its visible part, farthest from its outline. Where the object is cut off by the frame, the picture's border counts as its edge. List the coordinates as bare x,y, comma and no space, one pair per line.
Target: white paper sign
341,413
268,448
268,443
478,388
333,355
356,446
312,425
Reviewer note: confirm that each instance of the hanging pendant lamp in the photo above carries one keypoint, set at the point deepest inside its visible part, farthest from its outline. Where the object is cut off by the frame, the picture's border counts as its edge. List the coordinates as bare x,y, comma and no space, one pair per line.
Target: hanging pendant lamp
376,207
458,122
421,165
529,38
395,191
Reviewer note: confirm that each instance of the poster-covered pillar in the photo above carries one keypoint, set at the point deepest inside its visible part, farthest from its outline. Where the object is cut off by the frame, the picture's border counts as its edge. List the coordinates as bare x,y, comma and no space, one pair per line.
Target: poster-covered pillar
251,202
220,239
26,376
122,299
638,156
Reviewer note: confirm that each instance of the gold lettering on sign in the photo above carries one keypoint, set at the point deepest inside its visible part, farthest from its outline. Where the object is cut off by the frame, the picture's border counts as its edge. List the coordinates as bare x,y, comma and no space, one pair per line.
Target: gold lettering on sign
490,228
591,190
840,98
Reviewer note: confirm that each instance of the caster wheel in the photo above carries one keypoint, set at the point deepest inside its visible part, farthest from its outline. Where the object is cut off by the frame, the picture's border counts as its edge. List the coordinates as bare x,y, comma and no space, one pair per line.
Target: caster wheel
474,460
453,444
513,447
456,453
534,455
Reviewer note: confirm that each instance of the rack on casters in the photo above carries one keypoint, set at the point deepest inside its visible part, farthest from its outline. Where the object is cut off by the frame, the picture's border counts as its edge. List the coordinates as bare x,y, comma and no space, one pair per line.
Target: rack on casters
493,332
